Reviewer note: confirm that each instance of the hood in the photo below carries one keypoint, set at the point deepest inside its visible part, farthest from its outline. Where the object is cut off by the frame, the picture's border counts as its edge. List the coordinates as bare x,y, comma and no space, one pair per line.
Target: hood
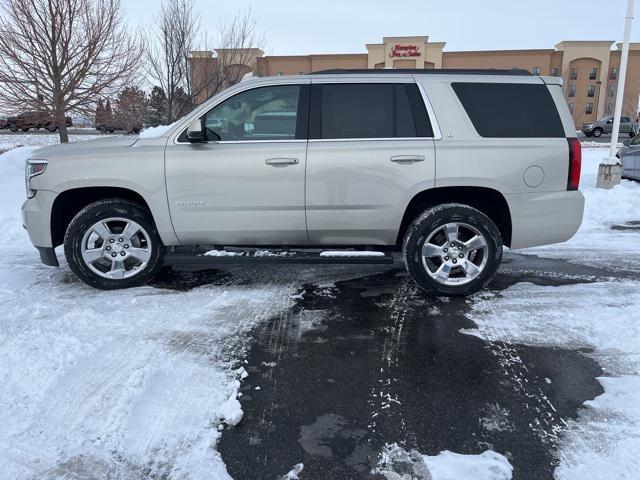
74,148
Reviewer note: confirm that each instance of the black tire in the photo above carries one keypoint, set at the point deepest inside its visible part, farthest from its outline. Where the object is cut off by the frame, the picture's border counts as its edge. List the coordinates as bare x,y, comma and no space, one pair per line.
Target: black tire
102,210
13,128
25,129
597,132
632,134
589,134
434,219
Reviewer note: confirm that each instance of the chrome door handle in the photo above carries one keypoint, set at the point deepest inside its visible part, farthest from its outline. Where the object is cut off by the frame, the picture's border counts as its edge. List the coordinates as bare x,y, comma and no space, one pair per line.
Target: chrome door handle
281,162
407,158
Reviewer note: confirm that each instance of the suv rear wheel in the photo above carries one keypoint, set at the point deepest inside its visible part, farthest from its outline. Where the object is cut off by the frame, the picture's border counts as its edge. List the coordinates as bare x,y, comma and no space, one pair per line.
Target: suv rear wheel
452,249
597,132
113,244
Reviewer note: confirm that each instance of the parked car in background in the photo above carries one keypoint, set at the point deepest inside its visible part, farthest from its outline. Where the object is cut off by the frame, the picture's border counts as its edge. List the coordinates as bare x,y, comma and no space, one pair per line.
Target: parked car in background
605,125
366,162
629,156
34,120
118,126
3,123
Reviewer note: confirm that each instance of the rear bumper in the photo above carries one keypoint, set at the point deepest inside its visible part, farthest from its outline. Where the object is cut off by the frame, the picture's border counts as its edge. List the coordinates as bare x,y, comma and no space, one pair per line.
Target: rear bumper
544,218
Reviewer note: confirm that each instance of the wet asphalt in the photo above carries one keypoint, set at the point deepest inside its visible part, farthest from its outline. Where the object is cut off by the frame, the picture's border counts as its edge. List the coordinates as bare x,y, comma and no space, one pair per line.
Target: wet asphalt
372,360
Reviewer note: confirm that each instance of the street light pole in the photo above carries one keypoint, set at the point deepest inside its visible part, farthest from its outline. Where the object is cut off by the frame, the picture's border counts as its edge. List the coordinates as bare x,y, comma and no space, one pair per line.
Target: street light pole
610,171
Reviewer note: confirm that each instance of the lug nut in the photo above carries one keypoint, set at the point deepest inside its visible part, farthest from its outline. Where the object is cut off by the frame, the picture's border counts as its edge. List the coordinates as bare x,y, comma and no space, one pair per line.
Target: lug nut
108,248
461,255
454,260
121,239
126,245
114,254
453,245
445,249
123,253
111,240
446,258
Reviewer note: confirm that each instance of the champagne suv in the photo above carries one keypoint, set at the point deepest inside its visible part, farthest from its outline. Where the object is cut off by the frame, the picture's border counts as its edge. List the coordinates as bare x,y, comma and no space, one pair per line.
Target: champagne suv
443,166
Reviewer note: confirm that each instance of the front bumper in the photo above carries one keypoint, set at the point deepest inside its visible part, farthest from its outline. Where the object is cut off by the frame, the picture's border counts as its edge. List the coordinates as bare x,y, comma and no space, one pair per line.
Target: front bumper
36,218
544,218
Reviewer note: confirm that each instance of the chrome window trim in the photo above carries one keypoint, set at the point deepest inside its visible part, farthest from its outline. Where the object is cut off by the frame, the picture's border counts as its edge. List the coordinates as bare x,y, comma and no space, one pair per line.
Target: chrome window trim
435,126
370,139
222,142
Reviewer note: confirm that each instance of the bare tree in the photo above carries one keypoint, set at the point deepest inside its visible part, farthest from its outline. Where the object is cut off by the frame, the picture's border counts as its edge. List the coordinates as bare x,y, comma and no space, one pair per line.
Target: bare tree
176,30
238,44
59,56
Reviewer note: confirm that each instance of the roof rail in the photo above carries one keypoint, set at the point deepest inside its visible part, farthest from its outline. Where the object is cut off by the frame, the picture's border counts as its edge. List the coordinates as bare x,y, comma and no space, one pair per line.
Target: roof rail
424,71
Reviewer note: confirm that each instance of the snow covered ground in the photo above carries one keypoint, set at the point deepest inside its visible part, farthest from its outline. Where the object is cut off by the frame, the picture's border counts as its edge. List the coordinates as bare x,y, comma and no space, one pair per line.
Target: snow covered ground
10,140
603,316
136,383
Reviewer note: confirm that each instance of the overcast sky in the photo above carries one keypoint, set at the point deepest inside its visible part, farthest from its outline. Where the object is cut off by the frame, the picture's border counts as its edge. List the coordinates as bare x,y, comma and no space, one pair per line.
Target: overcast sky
332,26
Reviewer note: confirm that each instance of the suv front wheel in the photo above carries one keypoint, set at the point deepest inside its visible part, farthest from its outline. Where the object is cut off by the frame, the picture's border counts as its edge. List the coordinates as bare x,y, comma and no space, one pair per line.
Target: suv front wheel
113,244
452,249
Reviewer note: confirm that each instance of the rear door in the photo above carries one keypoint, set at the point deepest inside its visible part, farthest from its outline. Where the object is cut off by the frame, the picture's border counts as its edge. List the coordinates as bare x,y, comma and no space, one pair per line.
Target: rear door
370,150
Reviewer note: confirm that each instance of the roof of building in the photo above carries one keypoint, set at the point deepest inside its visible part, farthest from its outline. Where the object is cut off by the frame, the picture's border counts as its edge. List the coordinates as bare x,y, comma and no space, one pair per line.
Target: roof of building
423,71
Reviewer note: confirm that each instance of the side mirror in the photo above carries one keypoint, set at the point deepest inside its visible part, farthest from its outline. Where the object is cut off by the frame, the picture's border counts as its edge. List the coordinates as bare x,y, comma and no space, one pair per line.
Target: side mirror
195,132
627,142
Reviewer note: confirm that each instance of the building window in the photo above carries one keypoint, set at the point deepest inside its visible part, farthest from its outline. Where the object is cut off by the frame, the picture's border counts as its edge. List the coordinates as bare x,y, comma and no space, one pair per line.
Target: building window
574,73
280,74
591,91
536,70
554,71
570,107
301,73
611,91
613,74
593,73
589,109
571,92
608,108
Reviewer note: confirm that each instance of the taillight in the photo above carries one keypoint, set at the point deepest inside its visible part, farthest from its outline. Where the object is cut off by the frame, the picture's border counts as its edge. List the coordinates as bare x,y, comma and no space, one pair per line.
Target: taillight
575,162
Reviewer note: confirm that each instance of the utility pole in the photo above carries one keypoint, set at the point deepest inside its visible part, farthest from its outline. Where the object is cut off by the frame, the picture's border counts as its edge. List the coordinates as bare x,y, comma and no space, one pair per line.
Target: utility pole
609,172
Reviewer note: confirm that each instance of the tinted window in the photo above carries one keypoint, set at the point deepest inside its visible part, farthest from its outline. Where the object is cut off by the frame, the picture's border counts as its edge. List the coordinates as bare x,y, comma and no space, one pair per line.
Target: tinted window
267,113
368,111
510,110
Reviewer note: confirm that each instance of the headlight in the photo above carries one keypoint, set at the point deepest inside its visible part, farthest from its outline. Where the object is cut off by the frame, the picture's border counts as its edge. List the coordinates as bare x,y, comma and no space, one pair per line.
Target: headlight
33,168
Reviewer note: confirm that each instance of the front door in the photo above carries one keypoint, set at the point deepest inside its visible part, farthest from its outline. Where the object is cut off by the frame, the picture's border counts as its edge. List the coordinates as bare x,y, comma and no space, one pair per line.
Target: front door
370,149
245,184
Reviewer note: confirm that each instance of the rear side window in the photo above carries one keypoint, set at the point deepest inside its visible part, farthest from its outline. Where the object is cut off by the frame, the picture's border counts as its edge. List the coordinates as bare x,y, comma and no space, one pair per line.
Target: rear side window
355,110
510,110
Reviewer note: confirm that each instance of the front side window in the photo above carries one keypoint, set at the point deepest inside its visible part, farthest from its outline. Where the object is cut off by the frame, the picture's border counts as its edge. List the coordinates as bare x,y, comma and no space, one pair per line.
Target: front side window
589,109
368,110
265,113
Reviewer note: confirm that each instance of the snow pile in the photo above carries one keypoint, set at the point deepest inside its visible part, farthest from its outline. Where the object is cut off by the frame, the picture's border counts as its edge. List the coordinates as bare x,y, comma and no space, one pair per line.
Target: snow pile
156,132
223,253
230,412
350,253
398,464
294,473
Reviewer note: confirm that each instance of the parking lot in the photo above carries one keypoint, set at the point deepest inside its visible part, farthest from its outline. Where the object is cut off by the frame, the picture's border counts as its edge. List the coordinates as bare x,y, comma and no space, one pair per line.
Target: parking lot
342,371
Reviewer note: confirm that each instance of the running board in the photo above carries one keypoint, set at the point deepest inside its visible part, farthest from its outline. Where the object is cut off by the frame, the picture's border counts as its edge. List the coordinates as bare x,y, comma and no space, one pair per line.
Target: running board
220,257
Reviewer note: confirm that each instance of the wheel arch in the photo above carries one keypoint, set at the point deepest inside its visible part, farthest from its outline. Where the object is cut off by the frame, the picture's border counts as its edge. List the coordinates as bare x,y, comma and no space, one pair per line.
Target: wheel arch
68,203
489,201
